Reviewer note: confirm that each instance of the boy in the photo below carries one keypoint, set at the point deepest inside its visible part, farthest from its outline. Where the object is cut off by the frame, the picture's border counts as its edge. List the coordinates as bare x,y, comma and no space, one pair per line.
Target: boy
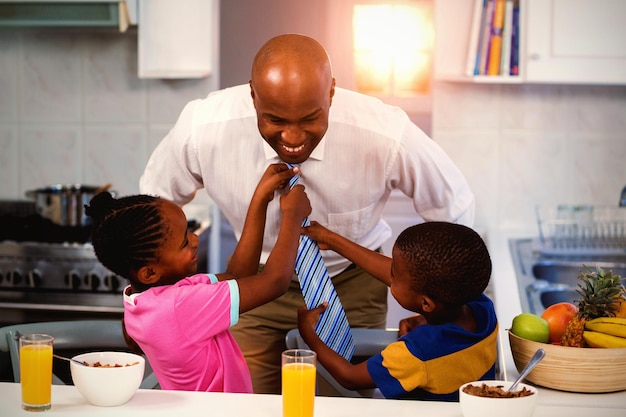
438,270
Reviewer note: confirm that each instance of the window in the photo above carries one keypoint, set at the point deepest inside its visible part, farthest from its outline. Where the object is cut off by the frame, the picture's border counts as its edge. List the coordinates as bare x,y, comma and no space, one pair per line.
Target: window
392,45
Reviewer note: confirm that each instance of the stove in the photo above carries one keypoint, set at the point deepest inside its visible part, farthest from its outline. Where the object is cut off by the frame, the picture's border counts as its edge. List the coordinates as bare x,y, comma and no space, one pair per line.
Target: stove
50,272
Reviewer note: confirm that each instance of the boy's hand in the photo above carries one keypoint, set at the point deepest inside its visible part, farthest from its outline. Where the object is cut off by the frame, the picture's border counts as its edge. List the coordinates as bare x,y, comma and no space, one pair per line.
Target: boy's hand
320,234
307,320
276,177
409,323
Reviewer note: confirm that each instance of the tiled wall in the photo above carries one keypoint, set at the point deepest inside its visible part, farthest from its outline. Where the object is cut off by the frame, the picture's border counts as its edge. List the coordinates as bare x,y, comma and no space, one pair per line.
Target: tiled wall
72,109
523,145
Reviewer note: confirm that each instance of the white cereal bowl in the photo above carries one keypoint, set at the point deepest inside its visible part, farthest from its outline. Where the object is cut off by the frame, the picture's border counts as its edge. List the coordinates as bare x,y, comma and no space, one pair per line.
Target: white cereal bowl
108,385
475,406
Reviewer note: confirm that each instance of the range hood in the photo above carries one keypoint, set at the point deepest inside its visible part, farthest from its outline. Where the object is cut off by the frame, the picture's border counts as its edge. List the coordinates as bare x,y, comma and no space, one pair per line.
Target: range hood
68,13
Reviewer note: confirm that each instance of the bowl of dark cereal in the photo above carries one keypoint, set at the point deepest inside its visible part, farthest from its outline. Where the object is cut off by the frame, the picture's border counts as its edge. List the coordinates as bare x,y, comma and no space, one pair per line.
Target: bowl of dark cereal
107,379
492,399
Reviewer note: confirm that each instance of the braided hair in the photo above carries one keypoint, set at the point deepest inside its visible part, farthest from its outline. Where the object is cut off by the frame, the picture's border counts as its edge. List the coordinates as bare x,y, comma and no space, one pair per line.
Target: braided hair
448,262
126,232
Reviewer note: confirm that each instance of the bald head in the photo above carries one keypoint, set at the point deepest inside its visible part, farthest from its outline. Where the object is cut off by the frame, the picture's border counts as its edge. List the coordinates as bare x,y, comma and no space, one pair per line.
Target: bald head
291,57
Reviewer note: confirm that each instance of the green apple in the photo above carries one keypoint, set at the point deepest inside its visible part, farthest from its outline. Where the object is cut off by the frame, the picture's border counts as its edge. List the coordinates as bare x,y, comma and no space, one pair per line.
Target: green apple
532,327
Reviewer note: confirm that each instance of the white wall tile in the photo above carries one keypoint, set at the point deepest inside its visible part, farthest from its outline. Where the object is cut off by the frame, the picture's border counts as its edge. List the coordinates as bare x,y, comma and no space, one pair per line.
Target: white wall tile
115,155
50,155
536,107
466,105
599,109
534,169
166,98
112,91
599,169
50,77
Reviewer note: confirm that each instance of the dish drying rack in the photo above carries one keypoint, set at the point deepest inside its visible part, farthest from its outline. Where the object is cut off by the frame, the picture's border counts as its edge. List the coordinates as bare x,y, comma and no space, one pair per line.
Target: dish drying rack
583,229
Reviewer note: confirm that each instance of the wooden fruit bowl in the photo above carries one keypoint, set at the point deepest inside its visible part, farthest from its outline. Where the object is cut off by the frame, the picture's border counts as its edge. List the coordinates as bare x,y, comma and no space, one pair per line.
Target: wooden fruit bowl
591,370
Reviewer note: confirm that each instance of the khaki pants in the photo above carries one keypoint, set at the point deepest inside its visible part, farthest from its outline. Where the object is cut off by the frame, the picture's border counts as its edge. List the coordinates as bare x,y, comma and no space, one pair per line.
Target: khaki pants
261,332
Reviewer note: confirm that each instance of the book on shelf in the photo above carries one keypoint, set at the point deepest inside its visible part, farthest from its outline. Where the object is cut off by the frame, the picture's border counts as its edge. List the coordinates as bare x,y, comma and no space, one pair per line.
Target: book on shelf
478,21
495,44
493,47
507,31
486,38
515,40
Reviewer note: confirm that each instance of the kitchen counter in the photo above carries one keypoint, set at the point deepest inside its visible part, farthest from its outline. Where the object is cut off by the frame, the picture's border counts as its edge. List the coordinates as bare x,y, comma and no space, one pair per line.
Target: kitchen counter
67,401
508,305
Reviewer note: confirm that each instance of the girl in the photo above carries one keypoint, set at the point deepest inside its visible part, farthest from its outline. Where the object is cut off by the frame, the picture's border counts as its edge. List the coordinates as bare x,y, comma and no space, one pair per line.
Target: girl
181,320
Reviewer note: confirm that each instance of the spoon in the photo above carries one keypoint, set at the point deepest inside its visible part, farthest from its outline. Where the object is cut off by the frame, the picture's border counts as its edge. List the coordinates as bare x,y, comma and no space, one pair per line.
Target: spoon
537,357
70,359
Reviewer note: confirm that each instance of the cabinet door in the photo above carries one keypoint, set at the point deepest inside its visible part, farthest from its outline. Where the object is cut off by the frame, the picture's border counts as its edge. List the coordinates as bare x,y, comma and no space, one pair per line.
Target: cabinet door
576,41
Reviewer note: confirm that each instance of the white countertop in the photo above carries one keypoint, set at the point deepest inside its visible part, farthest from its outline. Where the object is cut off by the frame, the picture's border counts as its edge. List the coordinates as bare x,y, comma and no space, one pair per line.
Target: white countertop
67,401
508,305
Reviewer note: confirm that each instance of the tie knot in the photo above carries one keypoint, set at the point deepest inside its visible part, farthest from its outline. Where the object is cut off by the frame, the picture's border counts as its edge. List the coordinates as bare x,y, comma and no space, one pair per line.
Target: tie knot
293,180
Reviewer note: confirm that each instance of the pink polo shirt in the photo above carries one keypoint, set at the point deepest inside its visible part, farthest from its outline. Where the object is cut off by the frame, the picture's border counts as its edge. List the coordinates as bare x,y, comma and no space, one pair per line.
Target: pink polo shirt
184,331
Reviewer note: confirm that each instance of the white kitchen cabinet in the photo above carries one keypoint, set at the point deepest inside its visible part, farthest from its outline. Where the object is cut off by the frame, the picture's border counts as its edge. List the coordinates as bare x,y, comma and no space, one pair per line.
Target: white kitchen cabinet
177,39
576,41
561,41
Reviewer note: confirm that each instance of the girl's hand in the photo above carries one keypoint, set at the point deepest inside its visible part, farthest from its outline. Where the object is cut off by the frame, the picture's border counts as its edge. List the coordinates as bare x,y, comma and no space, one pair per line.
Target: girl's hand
296,201
276,177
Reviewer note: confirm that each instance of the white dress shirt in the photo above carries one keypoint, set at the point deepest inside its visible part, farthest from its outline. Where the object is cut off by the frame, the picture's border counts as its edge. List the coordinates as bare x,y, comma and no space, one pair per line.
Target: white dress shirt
369,149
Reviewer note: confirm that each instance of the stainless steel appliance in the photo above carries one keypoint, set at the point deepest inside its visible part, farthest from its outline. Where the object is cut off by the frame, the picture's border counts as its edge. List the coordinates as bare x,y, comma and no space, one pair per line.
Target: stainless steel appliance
50,272
571,238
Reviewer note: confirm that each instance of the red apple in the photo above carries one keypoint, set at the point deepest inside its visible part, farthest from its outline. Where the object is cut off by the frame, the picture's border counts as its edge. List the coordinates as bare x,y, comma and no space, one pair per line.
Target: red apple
557,316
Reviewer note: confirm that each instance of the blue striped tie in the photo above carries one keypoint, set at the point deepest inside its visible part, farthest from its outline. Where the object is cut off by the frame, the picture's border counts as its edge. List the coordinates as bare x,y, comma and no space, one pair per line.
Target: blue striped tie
333,327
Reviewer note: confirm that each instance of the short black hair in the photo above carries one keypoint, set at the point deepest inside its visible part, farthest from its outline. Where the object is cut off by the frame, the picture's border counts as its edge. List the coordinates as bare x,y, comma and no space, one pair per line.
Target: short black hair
448,262
127,232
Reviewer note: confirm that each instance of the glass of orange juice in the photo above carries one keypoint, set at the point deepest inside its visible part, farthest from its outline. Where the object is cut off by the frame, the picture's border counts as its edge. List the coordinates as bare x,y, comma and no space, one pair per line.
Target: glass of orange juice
36,371
298,381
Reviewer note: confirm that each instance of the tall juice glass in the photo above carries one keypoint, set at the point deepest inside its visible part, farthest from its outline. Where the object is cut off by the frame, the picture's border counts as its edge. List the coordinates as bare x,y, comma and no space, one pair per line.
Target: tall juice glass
298,381
36,371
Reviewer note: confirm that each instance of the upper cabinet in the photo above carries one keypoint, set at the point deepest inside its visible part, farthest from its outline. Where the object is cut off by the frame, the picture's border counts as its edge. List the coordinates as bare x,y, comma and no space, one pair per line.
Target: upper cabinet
175,39
560,41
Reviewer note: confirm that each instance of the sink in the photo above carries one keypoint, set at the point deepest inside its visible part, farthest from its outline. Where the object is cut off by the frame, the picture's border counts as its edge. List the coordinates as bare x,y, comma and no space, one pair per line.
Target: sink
544,280
566,272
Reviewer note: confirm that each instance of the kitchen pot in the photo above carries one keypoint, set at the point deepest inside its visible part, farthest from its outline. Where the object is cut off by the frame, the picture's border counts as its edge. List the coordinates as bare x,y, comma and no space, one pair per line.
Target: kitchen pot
64,204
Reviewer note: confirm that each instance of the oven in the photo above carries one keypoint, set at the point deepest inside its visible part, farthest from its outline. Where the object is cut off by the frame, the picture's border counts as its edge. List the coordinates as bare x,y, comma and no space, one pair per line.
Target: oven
50,272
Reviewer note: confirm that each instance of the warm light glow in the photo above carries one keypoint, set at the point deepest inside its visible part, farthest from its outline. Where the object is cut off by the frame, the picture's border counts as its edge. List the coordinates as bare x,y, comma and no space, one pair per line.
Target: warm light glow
392,48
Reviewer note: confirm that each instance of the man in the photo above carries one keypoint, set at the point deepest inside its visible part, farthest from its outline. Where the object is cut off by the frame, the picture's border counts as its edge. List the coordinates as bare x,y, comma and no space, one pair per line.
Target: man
353,150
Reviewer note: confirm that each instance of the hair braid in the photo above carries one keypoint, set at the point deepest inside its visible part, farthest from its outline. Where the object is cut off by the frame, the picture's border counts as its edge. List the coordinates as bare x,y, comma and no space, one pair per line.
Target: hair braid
127,232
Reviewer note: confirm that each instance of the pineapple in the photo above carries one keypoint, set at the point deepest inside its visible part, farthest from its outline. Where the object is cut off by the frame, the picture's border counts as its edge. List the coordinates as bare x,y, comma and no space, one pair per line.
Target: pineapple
598,291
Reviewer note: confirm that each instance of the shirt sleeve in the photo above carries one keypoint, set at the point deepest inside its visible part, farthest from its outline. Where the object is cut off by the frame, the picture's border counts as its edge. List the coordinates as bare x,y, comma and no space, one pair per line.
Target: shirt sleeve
424,172
173,170
391,374
206,309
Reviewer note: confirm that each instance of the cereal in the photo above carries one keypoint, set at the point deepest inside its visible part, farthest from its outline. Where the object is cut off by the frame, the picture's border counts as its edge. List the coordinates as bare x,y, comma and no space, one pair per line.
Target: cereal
495,391
117,365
